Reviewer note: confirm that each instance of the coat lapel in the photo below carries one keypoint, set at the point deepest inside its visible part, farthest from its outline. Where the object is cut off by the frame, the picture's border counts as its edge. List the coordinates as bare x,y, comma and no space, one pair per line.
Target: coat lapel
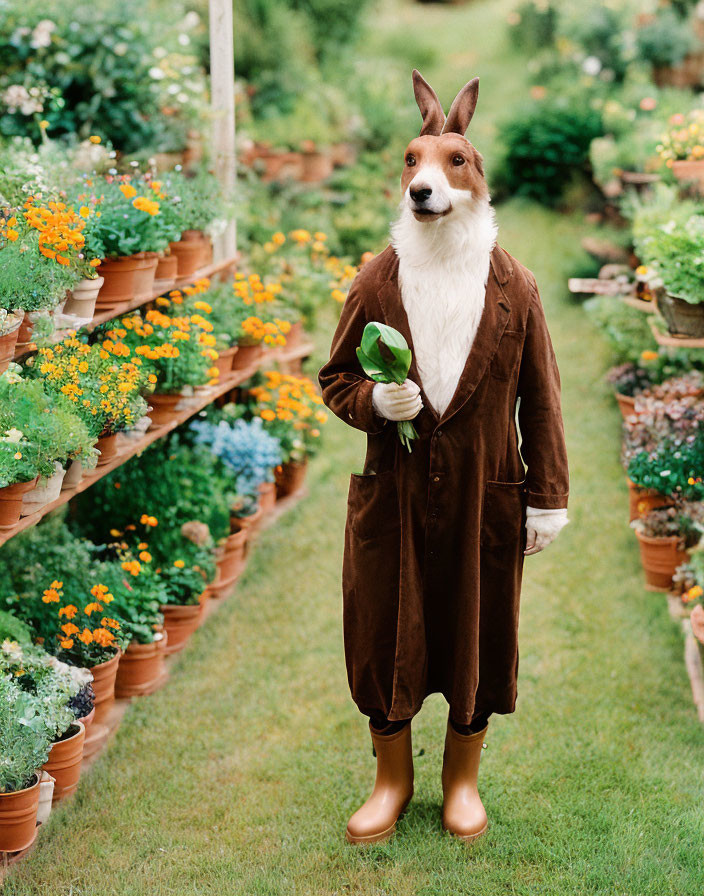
492,324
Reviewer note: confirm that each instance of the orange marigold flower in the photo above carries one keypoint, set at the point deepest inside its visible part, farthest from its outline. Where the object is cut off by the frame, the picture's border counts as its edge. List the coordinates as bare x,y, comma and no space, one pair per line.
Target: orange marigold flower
93,607
179,564
86,636
69,611
66,643
70,629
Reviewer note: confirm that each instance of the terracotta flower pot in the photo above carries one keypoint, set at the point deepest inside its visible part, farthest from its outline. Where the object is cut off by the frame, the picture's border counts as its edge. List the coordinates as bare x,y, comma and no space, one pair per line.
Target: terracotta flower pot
225,361
247,356
104,687
230,563
163,407
141,669
145,274
642,500
660,558
11,498
88,720
317,166
24,334
294,337
7,347
82,298
46,491
290,477
18,817
64,762
180,623
250,523
190,254
687,171
107,446
626,404
267,496
119,285
166,268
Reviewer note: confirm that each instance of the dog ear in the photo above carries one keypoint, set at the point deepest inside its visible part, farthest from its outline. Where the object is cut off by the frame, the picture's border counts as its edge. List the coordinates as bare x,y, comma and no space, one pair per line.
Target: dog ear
462,109
429,105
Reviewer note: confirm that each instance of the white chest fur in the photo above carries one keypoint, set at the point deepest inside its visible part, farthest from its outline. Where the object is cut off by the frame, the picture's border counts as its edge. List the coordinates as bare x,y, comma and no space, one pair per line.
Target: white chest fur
443,271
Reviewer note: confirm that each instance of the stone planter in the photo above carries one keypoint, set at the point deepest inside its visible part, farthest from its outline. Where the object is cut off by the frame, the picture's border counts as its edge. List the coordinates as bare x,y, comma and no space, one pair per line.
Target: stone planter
104,687
64,762
290,477
11,500
660,558
46,491
247,356
141,669
180,622
682,318
82,298
18,817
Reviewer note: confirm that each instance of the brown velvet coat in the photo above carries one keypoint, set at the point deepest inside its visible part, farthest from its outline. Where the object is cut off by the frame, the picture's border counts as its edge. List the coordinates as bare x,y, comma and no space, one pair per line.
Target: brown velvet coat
434,539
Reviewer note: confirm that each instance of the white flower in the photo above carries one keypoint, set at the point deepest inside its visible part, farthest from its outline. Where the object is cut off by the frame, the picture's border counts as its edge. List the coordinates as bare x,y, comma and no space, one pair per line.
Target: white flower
591,65
11,648
155,73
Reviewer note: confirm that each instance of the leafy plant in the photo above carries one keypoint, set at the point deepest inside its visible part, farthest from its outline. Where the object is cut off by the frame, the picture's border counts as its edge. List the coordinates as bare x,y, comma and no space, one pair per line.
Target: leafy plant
24,738
684,520
666,39
291,410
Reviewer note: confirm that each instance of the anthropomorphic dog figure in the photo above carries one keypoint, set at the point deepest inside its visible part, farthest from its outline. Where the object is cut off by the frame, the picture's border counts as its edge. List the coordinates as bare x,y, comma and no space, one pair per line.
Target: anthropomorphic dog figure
435,539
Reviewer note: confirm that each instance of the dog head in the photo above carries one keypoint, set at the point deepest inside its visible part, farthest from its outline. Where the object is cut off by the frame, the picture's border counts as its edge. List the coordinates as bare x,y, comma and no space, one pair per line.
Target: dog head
442,171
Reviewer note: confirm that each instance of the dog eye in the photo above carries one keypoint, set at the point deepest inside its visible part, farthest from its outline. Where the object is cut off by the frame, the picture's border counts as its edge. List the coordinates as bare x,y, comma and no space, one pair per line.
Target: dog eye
458,160
410,160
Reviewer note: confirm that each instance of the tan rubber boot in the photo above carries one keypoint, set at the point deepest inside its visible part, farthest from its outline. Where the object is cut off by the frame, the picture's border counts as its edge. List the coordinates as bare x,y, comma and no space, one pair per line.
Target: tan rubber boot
393,789
462,811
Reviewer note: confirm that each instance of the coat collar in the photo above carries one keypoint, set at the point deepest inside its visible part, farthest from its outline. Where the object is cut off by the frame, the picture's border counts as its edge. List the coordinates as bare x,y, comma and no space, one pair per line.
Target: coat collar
492,324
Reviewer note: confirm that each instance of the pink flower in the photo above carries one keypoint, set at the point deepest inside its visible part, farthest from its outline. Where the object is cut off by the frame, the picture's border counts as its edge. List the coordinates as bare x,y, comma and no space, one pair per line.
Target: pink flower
648,103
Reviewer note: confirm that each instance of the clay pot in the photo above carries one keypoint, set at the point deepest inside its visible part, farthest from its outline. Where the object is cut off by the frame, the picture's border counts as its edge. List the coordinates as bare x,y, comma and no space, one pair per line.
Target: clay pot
107,446
88,720
81,299
163,407
18,817
294,337
247,356
46,794
290,477
642,500
74,474
11,499
180,622
119,285
248,523
190,254
24,334
104,687
267,496
660,558
225,361
64,762
317,166
231,560
691,171
44,492
626,404
144,275
167,268
7,347
682,318
141,669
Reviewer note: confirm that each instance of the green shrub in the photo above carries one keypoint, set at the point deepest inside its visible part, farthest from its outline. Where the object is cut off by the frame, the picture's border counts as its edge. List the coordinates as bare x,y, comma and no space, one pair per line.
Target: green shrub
666,39
532,25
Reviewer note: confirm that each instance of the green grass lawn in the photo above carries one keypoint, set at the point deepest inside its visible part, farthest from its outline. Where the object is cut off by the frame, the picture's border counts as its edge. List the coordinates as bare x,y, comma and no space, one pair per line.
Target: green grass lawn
239,776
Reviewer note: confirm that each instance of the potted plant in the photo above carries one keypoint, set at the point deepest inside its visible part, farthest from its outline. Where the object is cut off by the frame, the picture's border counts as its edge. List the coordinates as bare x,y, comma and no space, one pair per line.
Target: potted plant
10,322
665,534
682,146
194,203
185,581
628,380
291,409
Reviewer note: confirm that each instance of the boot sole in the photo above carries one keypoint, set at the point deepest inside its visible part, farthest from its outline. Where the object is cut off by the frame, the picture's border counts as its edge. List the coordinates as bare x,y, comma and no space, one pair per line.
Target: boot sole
375,838
468,838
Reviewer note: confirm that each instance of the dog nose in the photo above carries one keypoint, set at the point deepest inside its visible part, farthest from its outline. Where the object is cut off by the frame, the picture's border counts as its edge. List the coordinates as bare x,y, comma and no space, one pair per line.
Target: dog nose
421,194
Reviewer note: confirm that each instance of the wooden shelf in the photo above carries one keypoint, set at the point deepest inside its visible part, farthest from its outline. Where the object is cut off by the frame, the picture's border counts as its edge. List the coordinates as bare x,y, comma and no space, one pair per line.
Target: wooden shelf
670,341
129,445
640,304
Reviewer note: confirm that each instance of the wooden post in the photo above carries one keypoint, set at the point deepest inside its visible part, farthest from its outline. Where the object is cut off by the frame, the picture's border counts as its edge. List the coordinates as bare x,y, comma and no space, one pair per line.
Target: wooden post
222,87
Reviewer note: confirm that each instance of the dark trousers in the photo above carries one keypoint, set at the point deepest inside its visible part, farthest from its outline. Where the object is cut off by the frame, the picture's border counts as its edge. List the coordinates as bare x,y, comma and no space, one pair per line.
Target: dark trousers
383,726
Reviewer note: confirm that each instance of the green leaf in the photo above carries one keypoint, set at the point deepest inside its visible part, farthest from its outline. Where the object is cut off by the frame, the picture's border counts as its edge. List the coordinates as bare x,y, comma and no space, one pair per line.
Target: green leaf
384,353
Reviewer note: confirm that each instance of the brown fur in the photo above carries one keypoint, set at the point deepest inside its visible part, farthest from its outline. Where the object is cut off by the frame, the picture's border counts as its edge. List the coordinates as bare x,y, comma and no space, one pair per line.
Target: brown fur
441,151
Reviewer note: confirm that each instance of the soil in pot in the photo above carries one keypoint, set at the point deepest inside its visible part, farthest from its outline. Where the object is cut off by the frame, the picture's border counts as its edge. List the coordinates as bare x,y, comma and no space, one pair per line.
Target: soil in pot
141,669
247,356
104,687
18,817
11,499
180,622
682,318
660,558
64,762
290,477
163,407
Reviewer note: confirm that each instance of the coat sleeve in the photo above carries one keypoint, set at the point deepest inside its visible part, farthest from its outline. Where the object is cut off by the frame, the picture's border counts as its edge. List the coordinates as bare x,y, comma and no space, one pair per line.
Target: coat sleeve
539,414
346,391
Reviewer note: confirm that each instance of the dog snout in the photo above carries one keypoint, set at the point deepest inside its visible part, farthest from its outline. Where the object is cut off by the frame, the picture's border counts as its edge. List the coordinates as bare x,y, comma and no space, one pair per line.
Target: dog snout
421,194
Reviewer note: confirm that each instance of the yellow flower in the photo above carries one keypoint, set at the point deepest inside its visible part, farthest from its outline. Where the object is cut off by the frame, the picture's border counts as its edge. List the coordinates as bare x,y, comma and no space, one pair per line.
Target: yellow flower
179,564
128,191
95,139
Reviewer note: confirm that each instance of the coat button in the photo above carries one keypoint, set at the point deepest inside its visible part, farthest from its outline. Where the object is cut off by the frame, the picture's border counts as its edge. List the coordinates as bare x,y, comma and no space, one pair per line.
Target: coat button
436,479
438,433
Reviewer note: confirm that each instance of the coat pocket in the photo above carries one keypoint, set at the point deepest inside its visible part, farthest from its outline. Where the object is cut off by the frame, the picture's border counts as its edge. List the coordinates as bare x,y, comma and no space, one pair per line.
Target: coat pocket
372,504
503,514
507,359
